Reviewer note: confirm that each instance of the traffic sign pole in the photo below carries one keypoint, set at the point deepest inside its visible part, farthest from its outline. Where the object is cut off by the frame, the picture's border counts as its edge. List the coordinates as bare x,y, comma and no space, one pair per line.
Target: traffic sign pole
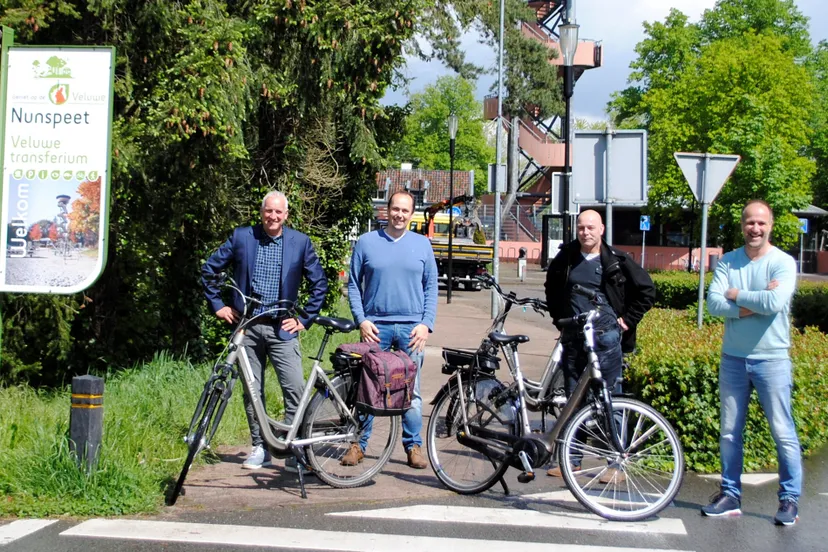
703,252
705,182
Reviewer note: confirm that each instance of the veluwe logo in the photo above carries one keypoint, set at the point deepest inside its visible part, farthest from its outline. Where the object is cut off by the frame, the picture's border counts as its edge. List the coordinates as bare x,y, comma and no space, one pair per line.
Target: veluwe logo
59,94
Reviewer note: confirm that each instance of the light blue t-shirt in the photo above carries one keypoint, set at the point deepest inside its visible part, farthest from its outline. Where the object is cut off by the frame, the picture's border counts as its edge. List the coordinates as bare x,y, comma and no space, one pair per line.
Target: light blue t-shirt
393,280
766,334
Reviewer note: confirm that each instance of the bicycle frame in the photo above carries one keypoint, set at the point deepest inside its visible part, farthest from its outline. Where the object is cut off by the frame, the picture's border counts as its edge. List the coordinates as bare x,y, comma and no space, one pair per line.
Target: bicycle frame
238,354
592,375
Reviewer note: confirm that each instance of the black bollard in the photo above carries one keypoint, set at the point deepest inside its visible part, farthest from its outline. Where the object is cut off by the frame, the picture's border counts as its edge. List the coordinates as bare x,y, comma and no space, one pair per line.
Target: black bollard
86,420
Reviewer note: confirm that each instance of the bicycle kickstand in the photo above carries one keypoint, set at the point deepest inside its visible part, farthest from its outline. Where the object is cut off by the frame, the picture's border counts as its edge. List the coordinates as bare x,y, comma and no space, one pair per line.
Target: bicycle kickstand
301,480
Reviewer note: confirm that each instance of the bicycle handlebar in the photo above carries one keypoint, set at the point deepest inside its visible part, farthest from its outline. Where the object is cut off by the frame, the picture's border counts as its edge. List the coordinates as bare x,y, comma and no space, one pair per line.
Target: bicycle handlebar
280,306
537,304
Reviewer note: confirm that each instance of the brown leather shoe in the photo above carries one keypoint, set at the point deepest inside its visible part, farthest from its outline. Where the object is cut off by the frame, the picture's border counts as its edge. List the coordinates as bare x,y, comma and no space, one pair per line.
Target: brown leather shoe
353,457
613,475
556,471
416,459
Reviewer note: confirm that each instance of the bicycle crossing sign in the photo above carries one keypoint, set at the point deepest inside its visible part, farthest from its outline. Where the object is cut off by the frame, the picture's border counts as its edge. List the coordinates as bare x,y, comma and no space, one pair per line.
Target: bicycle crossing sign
644,224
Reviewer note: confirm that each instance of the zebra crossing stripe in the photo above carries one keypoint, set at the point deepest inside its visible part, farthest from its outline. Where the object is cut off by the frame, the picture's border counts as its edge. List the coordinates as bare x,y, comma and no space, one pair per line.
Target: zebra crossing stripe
747,478
520,518
309,539
21,528
566,496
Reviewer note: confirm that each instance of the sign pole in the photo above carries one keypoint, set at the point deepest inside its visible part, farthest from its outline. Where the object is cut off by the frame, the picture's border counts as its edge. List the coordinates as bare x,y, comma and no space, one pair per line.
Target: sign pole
703,244
643,245
7,42
801,251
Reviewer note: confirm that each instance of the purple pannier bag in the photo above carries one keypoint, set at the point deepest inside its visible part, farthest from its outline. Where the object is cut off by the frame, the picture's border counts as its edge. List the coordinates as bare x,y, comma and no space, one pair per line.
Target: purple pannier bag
386,384
359,348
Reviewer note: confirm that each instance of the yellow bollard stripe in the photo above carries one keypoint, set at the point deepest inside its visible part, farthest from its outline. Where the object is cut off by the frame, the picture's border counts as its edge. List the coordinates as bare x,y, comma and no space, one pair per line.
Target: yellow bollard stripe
79,396
87,406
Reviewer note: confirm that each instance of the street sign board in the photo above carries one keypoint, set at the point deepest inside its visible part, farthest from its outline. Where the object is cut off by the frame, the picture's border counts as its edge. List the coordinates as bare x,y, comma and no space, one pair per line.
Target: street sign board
803,225
644,224
501,178
609,166
719,168
56,159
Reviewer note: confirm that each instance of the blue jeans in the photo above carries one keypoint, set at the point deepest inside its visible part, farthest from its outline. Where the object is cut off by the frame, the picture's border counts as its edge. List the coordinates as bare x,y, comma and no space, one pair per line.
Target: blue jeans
772,380
397,336
608,351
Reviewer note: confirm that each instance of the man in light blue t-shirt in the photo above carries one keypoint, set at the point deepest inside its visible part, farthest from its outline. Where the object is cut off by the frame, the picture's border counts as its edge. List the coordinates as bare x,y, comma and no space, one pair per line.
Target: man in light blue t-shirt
752,288
392,289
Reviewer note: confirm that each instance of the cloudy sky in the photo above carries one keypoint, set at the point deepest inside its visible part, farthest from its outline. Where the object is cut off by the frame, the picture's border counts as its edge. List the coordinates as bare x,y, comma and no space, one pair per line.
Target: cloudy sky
619,26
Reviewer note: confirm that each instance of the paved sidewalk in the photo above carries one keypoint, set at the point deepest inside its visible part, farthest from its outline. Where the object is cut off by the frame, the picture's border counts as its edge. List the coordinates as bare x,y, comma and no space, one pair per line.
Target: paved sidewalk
226,486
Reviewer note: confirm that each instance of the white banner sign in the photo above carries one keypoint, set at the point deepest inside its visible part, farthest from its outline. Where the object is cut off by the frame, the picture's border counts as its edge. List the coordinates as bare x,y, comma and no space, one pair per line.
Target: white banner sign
56,155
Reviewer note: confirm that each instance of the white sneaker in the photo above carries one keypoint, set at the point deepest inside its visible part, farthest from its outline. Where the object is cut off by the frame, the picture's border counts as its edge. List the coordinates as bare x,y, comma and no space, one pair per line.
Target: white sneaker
258,458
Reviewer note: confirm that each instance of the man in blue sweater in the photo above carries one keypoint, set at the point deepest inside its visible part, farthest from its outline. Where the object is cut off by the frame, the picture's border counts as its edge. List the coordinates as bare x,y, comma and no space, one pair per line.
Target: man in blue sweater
752,288
392,289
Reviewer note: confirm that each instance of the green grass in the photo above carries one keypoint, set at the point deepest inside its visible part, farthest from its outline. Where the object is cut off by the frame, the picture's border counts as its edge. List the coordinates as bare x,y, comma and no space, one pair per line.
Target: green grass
146,412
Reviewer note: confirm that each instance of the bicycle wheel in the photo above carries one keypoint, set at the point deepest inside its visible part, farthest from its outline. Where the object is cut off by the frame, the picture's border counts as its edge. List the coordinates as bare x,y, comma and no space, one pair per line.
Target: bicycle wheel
462,469
196,442
326,418
630,485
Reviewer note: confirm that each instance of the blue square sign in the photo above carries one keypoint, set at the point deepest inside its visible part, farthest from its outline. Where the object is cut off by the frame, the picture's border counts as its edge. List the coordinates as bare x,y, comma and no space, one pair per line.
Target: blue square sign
803,225
644,226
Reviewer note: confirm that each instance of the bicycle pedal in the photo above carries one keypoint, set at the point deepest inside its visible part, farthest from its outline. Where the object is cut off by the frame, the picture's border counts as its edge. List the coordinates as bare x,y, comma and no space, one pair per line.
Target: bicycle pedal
526,477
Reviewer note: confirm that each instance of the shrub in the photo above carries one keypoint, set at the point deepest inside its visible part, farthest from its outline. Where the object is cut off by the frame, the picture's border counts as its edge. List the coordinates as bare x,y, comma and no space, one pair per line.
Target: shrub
676,289
680,290
676,371
810,306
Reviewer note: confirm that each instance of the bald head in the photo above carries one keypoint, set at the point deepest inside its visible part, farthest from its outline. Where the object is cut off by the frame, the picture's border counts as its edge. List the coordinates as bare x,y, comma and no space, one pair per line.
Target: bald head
590,229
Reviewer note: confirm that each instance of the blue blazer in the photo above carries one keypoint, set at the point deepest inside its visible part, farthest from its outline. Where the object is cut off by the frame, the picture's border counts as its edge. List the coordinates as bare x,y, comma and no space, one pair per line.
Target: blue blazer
298,259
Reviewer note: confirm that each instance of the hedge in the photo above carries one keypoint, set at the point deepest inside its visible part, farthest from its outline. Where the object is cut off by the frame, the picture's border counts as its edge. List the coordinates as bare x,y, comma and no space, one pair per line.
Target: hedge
676,371
680,290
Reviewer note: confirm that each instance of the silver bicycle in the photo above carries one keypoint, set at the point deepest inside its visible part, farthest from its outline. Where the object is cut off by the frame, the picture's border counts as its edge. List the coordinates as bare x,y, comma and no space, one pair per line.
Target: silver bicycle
326,421
630,458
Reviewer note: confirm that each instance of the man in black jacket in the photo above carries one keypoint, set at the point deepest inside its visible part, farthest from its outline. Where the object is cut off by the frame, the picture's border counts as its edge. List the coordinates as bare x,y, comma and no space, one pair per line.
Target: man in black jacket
625,288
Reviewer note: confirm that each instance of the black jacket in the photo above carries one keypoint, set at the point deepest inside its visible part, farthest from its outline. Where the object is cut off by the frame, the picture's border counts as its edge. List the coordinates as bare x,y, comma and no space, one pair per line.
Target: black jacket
628,288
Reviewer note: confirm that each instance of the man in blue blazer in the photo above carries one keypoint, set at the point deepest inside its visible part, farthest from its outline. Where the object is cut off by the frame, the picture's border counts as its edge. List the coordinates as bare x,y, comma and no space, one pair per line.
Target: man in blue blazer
269,262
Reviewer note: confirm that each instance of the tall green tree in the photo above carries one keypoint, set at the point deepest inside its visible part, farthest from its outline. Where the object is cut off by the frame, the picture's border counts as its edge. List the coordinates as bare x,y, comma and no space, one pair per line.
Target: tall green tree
529,77
216,102
426,140
732,83
818,65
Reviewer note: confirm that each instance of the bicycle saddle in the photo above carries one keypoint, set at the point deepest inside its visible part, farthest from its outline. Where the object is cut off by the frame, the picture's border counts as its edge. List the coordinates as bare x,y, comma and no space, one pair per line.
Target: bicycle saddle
503,339
338,324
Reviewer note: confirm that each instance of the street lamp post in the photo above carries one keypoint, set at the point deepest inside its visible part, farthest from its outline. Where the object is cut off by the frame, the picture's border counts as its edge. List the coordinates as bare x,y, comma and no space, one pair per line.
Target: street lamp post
569,44
452,128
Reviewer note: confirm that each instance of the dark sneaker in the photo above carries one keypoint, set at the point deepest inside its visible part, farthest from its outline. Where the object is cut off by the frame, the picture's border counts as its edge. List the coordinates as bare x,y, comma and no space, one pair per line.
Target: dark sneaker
556,471
787,514
353,457
723,505
416,459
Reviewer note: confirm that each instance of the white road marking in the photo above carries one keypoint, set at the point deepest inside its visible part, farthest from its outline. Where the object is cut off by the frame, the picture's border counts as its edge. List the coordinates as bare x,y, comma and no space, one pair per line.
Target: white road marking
520,518
21,528
276,537
748,478
566,496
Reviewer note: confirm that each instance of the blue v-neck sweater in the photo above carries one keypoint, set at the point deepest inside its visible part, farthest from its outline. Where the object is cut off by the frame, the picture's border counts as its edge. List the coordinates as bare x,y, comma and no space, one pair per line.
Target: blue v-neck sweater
393,281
